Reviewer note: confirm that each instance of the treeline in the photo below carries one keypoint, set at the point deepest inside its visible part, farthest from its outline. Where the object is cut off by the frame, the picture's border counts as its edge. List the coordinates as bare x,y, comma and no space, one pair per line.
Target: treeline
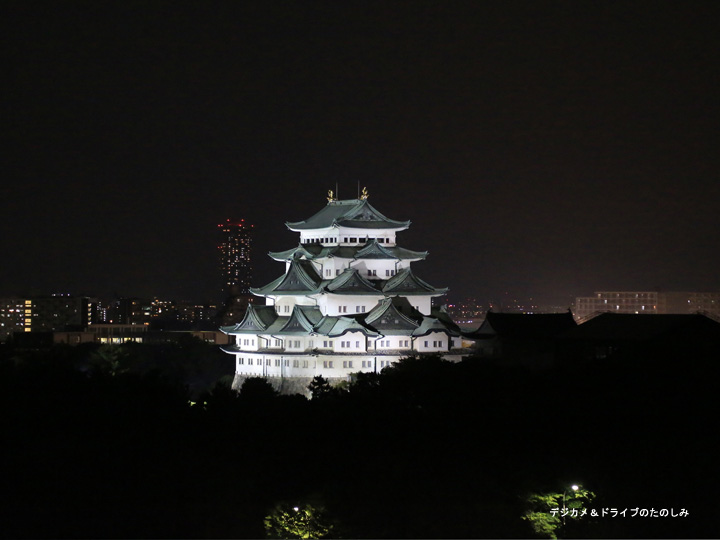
117,447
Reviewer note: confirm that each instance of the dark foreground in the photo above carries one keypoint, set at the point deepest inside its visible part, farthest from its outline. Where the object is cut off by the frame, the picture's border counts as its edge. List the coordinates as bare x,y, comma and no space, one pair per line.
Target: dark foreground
95,446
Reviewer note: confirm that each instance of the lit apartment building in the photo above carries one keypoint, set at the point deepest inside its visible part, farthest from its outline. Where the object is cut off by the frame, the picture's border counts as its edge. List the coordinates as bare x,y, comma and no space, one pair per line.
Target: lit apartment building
235,257
650,302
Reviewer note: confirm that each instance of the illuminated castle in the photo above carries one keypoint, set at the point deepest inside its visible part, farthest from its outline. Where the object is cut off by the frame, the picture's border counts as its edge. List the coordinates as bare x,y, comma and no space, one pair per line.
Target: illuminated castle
348,302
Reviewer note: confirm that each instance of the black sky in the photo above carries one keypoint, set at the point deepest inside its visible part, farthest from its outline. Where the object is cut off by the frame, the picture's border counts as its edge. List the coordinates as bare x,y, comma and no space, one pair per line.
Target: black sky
544,149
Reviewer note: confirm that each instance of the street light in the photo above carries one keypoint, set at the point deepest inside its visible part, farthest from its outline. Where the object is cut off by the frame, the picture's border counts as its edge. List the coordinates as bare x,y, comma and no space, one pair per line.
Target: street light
574,487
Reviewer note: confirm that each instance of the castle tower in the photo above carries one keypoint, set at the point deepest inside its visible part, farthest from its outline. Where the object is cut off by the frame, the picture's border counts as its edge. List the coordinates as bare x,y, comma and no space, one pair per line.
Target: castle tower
348,302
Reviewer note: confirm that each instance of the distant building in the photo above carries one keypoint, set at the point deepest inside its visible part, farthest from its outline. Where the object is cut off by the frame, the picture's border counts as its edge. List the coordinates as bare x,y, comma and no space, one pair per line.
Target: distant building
197,314
12,316
161,313
647,302
235,251
131,311
44,314
124,333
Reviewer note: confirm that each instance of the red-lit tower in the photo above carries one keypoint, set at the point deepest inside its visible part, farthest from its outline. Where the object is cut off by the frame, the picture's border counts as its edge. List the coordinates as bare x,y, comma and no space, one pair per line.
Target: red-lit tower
235,257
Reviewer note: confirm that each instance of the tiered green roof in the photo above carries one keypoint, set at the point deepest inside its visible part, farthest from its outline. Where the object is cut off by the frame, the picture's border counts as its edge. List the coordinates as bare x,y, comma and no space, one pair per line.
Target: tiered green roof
318,251
302,279
385,318
303,320
353,213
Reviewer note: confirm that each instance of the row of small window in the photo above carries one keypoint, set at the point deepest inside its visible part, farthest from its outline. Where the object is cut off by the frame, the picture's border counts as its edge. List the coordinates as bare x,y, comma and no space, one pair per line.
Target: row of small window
346,239
328,344
358,309
327,364
341,309
385,343
388,273
370,273
277,362
348,364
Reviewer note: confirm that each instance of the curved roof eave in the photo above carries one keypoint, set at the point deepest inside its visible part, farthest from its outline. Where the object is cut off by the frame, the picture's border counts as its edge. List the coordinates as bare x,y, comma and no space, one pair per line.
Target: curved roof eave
347,213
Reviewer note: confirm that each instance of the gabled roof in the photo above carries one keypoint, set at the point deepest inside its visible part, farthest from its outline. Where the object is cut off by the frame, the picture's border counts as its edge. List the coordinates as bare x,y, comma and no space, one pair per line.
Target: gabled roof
301,278
430,325
294,253
351,282
343,325
353,213
441,314
405,282
524,325
302,321
385,318
256,320
373,250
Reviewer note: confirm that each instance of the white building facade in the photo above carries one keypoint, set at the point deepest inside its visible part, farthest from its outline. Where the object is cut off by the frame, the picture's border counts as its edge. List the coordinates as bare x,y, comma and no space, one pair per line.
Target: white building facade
349,301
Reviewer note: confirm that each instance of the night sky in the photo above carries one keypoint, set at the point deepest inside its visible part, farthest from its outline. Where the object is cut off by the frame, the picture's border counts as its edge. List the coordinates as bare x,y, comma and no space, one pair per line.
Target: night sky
540,149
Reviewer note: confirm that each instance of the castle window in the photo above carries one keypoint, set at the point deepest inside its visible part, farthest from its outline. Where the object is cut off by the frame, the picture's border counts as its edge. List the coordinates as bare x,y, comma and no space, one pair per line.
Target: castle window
277,362
287,363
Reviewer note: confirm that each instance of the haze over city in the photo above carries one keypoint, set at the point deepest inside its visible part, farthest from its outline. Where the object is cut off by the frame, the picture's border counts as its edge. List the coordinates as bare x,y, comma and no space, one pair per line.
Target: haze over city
542,150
